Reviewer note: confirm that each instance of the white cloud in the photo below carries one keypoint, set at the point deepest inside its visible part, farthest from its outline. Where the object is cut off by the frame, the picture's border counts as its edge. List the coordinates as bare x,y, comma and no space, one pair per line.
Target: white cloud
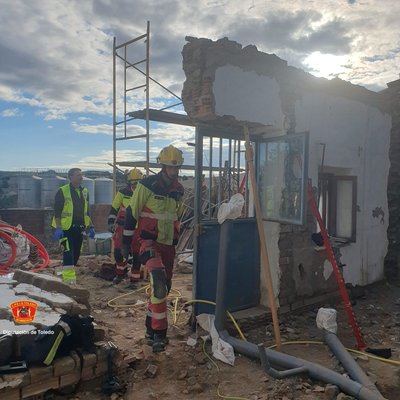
66,68
11,112
167,132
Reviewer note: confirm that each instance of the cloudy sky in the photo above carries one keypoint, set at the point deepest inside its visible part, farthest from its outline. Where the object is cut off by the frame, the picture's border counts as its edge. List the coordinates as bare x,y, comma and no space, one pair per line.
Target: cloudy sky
56,63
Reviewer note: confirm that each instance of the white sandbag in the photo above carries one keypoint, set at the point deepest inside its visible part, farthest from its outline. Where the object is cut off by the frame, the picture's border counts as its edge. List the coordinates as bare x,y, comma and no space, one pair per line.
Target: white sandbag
232,209
221,350
326,319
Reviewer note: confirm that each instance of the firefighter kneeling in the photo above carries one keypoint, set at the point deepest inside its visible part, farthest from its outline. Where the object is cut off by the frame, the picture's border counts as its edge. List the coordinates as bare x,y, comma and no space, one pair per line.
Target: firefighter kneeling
154,210
116,221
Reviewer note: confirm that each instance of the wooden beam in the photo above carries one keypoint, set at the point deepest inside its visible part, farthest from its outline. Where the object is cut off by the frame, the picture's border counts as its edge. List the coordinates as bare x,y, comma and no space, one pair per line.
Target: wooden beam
263,241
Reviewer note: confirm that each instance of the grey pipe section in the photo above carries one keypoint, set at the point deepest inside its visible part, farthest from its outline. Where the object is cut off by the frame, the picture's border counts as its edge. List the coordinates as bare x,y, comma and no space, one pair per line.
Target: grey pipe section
274,372
275,358
348,362
315,371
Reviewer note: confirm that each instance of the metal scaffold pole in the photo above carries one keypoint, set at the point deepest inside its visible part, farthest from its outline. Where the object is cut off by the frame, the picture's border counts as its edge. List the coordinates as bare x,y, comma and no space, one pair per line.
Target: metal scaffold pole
114,120
147,98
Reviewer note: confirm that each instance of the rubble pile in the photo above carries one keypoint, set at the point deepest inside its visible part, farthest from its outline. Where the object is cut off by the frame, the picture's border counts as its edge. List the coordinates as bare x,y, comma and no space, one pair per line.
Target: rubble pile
54,299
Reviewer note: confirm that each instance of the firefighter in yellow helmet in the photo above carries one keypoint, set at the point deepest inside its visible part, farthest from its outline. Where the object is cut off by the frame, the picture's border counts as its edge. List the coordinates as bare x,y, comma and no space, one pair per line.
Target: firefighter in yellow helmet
116,220
154,210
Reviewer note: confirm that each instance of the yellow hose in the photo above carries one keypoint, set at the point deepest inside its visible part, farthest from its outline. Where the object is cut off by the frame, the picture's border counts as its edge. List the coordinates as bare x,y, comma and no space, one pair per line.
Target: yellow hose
229,397
241,334
218,369
372,356
176,316
146,288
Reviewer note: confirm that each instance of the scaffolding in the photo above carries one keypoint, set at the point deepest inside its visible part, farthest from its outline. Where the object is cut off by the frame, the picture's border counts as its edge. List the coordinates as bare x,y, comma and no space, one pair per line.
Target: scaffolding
230,169
147,113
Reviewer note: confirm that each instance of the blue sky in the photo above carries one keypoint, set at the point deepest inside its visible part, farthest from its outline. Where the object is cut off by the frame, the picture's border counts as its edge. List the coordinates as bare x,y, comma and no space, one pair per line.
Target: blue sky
56,76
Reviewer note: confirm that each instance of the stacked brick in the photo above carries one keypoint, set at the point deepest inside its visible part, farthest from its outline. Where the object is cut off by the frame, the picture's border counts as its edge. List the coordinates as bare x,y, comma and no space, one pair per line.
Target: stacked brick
64,372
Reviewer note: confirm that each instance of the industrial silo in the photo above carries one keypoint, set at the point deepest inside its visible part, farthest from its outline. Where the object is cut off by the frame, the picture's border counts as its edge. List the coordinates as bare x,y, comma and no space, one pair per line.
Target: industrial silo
50,186
89,185
103,188
29,188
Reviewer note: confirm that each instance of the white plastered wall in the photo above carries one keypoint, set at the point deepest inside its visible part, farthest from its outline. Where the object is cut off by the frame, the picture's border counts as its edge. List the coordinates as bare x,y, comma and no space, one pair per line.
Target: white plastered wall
357,138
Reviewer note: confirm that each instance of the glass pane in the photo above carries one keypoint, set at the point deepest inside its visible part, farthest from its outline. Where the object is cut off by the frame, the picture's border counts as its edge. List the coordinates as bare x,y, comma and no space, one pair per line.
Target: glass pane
281,178
344,210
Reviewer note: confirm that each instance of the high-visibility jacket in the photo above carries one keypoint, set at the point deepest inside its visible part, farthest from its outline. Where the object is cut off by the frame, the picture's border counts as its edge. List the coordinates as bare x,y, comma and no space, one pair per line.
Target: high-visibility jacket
119,204
68,209
154,210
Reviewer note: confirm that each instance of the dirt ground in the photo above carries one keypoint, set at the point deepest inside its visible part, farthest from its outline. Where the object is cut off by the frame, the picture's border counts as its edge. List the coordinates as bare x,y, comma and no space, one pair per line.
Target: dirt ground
185,372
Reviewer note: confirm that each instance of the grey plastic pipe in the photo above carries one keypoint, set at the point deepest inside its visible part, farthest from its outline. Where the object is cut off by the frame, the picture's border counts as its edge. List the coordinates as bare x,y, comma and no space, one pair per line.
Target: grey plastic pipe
275,358
348,362
274,372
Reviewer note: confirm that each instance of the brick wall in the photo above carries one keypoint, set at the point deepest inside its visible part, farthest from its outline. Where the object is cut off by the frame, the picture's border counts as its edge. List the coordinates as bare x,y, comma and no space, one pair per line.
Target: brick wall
34,221
63,372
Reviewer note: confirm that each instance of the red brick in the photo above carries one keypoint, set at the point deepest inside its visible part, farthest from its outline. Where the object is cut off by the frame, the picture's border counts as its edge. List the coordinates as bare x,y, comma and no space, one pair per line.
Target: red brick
40,374
40,387
13,394
63,366
89,360
70,379
87,373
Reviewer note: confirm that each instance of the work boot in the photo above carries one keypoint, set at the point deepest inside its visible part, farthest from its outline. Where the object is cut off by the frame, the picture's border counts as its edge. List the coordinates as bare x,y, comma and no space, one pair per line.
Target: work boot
159,342
118,279
149,336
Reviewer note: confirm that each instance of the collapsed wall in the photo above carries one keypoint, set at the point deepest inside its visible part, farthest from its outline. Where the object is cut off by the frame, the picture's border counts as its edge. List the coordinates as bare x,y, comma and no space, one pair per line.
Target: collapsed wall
227,83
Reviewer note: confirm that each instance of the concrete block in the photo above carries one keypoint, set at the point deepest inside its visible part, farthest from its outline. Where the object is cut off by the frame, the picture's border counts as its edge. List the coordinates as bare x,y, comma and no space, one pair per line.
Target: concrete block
12,394
52,299
70,379
40,387
38,374
63,366
53,284
89,359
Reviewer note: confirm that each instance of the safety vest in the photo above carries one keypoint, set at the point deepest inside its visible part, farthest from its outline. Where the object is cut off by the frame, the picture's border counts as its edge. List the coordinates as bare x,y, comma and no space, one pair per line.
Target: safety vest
121,199
68,209
156,209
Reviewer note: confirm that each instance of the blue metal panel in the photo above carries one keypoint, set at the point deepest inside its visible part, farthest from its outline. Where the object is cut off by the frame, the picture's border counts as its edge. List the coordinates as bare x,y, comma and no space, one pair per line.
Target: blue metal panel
243,290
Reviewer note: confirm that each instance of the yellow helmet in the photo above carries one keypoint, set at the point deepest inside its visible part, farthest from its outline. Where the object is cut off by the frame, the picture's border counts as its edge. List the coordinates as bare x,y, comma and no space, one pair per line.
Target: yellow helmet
134,175
171,156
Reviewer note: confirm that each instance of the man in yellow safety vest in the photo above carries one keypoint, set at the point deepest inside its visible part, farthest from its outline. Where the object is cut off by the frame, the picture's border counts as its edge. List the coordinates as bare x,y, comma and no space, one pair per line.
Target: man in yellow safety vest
71,218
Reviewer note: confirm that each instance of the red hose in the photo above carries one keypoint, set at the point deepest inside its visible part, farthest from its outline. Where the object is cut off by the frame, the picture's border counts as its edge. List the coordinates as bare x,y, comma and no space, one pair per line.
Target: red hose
8,239
41,249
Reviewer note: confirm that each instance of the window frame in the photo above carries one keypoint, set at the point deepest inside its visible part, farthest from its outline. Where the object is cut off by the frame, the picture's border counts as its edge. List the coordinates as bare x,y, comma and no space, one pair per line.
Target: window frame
328,191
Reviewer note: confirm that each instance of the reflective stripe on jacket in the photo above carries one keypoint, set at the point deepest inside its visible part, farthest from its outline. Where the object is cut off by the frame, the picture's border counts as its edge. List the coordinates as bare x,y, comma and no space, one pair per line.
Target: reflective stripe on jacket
68,209
155,209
